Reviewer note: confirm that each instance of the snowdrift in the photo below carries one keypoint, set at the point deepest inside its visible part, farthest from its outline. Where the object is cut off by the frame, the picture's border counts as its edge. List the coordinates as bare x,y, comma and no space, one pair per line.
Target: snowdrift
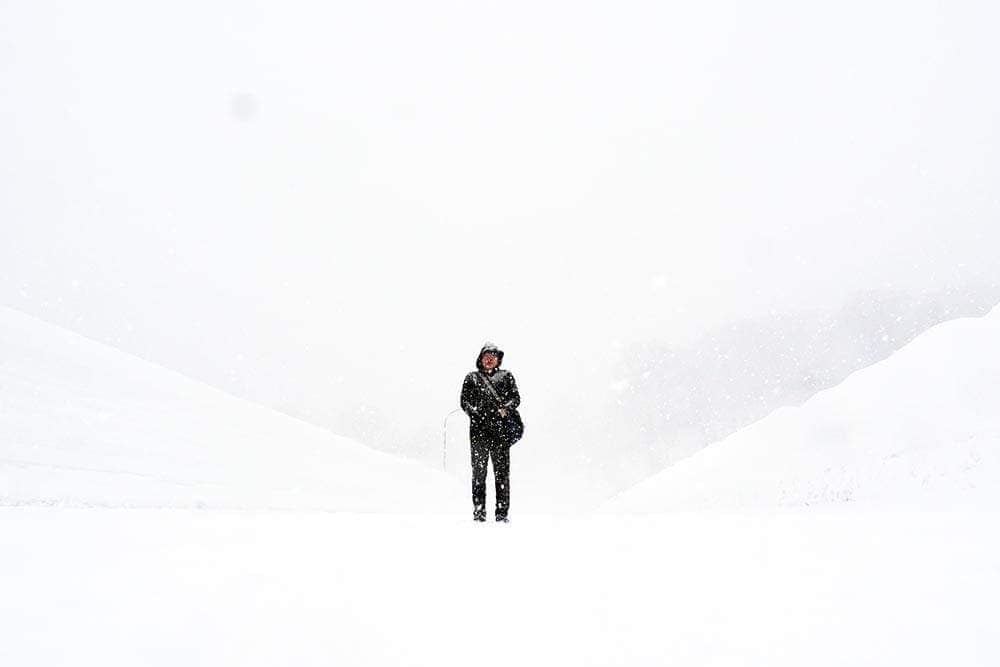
920,428
86,424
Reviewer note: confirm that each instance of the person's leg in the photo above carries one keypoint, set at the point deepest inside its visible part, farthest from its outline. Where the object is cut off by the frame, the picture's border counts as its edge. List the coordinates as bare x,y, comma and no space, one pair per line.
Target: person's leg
501,476
480,457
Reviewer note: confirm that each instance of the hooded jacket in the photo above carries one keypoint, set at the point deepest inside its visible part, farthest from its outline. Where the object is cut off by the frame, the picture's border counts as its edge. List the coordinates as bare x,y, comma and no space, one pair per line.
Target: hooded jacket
478,401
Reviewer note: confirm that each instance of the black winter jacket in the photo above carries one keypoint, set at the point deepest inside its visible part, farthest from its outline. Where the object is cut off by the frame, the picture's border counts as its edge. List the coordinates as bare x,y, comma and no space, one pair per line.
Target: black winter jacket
478,401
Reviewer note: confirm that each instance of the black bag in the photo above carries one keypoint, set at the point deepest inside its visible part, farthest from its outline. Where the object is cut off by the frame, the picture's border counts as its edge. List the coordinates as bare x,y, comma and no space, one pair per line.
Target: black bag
513,427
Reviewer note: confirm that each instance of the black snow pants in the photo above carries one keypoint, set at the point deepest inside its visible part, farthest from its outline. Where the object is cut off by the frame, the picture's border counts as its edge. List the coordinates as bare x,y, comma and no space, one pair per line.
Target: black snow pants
484,448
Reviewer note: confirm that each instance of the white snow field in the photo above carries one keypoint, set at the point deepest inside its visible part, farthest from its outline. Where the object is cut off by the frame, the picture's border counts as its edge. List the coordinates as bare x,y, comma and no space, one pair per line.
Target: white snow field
793,588
921,428
153,521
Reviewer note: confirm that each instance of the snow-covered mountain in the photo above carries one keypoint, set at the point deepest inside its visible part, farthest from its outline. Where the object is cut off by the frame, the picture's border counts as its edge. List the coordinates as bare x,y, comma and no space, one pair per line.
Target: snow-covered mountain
86,424
921,427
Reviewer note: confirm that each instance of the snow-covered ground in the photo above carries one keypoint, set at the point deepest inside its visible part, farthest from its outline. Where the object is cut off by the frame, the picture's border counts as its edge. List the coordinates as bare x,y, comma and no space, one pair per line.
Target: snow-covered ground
189,588
921,428
152,520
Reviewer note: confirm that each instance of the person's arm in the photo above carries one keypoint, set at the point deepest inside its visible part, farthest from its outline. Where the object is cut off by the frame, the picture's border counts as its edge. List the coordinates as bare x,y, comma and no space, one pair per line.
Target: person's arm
470,398
513,396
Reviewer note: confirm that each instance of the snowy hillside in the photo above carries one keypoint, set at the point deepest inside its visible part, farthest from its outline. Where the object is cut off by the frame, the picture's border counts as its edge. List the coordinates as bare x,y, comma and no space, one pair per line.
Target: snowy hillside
85,424
922,427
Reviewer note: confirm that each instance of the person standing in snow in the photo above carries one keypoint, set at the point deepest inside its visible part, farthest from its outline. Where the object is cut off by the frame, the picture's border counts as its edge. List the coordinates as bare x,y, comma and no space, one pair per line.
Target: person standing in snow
489,410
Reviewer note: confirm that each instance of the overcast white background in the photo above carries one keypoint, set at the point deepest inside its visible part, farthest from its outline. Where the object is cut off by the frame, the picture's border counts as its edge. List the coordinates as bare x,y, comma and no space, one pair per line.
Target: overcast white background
328,208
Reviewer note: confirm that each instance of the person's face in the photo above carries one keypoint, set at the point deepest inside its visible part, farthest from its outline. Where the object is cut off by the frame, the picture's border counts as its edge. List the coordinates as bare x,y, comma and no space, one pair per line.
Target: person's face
490,361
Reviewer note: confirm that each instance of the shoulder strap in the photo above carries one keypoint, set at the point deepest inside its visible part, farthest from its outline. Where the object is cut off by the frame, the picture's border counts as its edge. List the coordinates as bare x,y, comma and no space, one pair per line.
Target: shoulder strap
492,389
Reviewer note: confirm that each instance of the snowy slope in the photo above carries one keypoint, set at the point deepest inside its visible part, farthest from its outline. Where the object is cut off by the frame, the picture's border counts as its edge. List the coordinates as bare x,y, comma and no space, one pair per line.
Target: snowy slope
85,424
921,427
